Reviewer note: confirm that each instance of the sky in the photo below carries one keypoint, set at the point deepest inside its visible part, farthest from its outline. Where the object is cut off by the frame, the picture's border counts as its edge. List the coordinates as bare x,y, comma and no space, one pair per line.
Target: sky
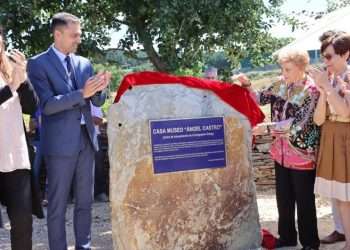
278,30
297,6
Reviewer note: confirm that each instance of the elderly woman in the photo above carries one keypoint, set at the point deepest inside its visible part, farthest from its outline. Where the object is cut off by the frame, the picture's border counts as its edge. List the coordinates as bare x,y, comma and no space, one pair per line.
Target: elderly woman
333,113
293,99
16,96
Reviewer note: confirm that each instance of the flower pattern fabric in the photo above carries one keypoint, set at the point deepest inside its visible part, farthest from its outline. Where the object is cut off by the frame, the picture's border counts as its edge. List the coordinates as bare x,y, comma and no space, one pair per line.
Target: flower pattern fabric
298,101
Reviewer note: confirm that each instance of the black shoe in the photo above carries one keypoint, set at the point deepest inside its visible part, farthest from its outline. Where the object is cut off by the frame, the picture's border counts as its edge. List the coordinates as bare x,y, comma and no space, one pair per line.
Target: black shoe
282,243
333,238
309,248
101,198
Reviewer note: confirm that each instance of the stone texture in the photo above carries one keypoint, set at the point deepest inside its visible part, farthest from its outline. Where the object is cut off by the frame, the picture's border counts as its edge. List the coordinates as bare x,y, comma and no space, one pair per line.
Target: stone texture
200,209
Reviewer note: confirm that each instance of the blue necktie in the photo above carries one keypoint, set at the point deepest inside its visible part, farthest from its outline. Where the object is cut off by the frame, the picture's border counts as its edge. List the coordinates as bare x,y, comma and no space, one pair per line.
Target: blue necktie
71,72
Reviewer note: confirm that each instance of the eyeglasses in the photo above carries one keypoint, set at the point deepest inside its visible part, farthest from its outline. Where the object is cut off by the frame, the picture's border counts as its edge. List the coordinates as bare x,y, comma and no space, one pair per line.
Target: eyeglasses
328,57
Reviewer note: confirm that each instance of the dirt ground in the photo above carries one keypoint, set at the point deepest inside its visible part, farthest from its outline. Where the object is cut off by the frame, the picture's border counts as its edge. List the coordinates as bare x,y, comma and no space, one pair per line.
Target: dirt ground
102,234
268,216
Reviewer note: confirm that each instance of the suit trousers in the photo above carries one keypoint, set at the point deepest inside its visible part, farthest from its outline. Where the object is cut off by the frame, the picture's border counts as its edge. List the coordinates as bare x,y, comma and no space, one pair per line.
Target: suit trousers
64,172
100,173
15,191
296,187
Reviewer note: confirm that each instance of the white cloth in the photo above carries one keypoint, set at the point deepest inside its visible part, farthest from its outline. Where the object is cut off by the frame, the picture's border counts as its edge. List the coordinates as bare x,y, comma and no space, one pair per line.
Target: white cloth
332,189
96,112
13,145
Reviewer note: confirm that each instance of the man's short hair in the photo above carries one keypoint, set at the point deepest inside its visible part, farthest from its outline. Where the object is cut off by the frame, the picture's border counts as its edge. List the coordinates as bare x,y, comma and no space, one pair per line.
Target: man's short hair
62,19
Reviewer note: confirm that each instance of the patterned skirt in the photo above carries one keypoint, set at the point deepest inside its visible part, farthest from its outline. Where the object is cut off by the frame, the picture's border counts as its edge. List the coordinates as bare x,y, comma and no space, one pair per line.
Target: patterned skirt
333,166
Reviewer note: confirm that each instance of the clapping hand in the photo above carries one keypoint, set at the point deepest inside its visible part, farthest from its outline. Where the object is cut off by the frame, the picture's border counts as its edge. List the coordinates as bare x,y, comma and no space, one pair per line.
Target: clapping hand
320,77
343,86
107,76
19,65
96,83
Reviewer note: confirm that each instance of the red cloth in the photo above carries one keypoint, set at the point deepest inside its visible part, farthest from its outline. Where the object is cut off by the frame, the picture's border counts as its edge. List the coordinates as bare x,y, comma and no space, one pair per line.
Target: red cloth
268,240
234,95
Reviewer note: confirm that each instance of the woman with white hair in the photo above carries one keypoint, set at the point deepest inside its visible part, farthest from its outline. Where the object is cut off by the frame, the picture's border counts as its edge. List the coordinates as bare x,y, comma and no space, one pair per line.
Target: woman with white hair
293,100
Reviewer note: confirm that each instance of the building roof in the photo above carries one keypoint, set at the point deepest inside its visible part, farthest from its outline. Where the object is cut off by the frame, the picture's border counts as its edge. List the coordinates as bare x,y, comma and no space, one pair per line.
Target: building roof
308,40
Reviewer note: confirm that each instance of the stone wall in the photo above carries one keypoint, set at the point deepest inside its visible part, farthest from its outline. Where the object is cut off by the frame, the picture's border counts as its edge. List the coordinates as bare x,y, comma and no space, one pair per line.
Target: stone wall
264,171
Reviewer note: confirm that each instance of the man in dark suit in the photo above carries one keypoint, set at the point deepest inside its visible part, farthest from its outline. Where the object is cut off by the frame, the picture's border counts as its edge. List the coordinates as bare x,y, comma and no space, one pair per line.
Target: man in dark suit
65,85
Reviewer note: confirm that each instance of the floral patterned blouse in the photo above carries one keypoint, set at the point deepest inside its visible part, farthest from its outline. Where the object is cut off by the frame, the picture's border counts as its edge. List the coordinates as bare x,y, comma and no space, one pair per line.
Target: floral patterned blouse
298,101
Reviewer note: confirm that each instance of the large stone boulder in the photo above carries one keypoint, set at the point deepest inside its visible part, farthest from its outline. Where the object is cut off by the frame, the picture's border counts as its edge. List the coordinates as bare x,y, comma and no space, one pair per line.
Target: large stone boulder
198,209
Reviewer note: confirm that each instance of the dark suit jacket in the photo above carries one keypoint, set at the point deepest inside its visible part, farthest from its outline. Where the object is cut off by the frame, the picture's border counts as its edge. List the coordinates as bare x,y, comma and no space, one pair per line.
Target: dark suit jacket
29,102
62,105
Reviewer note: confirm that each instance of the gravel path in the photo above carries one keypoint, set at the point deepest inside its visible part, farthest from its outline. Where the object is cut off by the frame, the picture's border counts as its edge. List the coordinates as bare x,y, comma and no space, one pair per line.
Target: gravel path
268,217
102,234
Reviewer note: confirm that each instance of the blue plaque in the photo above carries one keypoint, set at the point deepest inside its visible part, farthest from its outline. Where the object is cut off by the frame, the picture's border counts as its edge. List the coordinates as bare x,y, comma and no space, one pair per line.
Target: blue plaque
188,144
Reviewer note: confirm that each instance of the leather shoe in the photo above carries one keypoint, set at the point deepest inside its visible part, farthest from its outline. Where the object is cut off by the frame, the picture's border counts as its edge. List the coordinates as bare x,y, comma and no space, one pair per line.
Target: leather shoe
281,243
333,238
309,248
101,198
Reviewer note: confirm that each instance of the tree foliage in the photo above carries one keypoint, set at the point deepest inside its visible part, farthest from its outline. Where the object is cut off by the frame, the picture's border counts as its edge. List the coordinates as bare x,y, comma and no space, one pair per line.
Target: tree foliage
27,23
336,4
175,34
332,5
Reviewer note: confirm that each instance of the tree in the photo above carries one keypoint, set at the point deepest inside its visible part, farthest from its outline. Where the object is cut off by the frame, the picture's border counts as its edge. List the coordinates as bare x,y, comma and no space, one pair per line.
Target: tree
174,33
335,4
332,5
27,23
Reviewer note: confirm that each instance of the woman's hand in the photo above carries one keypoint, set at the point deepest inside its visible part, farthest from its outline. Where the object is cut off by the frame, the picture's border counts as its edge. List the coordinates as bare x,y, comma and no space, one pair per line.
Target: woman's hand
260,129
321,79
19,66
343,86
243,80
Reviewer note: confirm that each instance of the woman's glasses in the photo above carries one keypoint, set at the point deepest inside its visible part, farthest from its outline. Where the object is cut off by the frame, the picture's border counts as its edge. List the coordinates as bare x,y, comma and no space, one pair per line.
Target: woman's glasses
328,57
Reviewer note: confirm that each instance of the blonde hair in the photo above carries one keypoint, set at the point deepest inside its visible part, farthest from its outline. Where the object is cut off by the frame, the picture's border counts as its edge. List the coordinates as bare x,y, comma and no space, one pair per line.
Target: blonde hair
299,57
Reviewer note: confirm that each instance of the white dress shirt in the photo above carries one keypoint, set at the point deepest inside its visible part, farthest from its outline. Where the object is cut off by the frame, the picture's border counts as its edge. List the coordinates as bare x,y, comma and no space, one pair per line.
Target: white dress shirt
97,112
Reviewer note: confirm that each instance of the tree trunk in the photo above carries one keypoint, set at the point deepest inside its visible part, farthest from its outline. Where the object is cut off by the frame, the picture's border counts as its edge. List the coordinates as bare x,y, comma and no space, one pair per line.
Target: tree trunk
147,42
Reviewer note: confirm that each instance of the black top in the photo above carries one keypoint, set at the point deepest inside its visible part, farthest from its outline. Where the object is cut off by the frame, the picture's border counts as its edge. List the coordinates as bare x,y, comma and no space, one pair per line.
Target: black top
27,96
